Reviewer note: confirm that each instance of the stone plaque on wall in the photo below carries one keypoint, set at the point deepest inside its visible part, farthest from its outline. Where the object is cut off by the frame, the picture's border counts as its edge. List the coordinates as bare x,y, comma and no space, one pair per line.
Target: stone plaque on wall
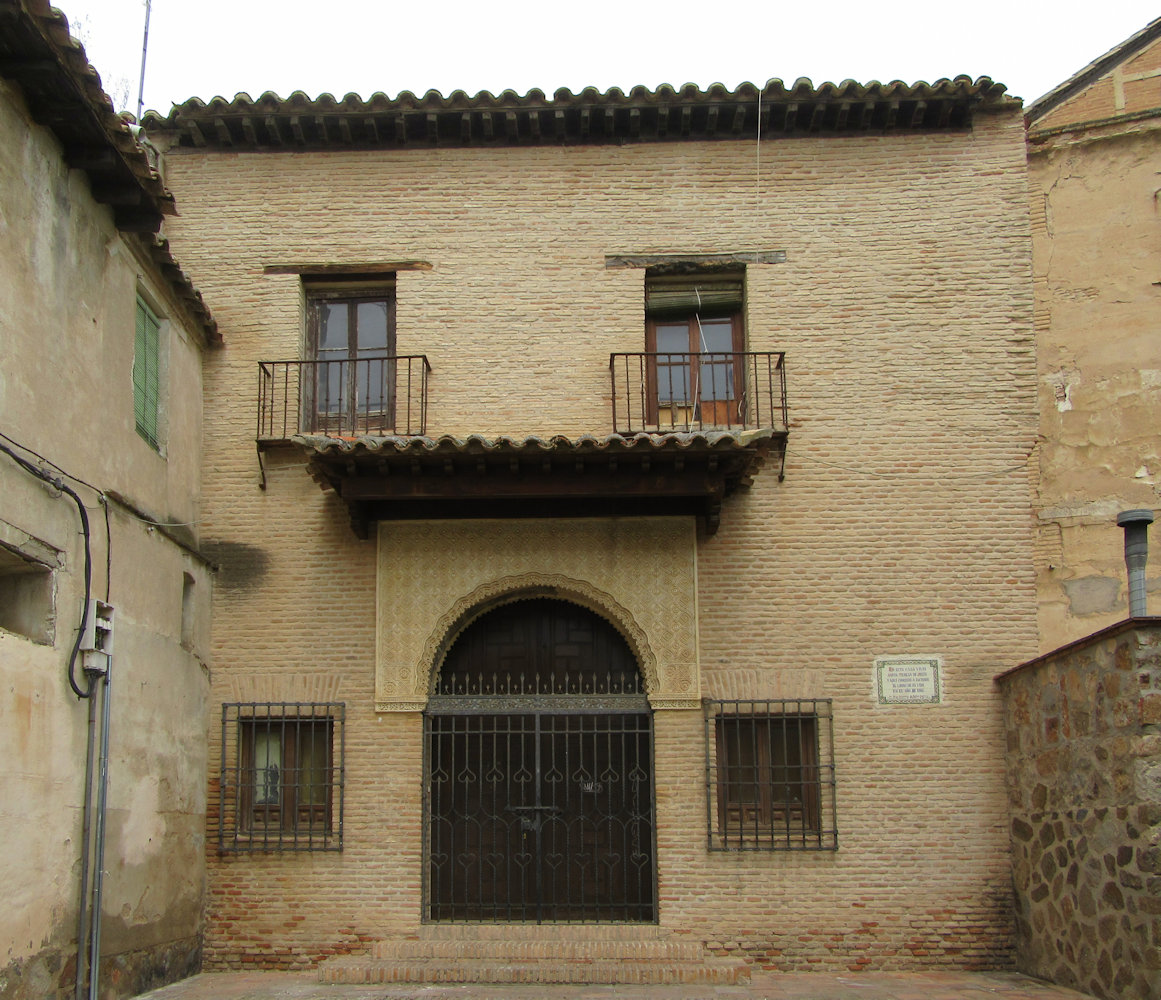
908,680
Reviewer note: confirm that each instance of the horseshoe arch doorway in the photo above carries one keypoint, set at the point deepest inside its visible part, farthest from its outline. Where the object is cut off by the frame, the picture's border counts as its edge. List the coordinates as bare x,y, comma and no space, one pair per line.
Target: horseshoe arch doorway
538,769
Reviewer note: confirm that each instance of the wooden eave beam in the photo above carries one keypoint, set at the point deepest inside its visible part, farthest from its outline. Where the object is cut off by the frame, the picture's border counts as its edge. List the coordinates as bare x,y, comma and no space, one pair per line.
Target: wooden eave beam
273,132
437,484
223,132
91,158
296,130
249,131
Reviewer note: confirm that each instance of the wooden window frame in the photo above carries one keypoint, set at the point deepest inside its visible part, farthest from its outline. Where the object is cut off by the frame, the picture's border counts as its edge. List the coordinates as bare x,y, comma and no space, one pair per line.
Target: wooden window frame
682,294
346,418
307,811
287,813
726,411
770,776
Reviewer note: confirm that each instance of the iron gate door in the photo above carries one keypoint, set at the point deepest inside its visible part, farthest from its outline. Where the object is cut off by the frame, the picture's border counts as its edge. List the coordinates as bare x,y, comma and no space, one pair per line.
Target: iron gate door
540,780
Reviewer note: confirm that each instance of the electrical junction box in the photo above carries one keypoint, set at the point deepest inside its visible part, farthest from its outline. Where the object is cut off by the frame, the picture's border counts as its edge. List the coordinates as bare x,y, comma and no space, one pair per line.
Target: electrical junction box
98,635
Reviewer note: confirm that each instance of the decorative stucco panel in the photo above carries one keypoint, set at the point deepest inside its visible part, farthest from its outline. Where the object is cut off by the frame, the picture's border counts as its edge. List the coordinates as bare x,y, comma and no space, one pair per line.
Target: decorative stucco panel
436,576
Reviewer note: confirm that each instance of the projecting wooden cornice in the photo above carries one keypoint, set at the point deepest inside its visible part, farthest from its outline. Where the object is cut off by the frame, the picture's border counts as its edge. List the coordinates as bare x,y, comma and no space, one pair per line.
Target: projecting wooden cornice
272,123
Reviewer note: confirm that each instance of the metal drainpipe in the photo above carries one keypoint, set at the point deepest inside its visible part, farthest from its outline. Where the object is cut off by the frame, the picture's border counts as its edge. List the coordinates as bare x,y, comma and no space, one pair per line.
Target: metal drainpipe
86,831
1136,525
99,849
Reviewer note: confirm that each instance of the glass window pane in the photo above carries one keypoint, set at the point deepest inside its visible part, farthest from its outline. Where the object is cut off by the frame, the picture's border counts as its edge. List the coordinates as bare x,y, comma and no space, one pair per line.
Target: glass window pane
371,384
717,380
312,763
371,320
267,766
332,328
672,382
673,337
716,335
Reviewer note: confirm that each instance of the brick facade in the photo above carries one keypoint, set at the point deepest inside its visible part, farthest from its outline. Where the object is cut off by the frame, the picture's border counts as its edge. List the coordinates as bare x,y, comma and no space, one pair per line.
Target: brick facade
901,527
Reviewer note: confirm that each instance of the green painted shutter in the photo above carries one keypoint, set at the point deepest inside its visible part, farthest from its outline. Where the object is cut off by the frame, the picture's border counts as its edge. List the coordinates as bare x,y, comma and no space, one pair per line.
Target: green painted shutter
146,373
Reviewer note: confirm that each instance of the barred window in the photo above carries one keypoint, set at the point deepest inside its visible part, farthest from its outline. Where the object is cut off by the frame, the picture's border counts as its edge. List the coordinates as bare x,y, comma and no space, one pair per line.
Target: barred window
770,781
282,776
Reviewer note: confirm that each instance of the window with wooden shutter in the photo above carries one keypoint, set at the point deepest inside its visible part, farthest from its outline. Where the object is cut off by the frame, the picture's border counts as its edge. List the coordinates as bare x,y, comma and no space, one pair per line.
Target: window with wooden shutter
147,374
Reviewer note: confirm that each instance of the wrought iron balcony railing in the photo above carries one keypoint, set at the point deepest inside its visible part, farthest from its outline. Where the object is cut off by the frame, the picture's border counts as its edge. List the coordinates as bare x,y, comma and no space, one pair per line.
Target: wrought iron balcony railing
376,395
652,392
656,392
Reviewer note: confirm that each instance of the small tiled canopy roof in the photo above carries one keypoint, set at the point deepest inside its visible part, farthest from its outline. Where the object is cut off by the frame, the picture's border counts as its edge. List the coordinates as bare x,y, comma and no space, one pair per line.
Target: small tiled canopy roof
641,115
396,477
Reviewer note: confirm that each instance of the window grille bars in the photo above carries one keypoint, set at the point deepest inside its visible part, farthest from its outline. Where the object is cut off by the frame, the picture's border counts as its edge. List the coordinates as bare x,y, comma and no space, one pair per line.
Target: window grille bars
770,775
282,776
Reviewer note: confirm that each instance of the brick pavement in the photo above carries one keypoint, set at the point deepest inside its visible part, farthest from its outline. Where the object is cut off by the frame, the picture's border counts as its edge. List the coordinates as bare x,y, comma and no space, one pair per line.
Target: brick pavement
764,986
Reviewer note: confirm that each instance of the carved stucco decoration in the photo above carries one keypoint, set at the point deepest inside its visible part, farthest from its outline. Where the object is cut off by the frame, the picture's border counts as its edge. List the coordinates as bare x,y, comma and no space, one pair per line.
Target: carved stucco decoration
436,577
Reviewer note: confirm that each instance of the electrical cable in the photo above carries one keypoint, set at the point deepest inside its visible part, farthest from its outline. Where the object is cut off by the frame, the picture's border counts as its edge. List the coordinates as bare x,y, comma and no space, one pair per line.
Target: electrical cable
59,484
36,454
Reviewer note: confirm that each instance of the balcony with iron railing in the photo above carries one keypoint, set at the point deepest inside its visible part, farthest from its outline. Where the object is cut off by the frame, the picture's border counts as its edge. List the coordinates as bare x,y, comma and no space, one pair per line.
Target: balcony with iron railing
371,396
651,393
687,431
665,393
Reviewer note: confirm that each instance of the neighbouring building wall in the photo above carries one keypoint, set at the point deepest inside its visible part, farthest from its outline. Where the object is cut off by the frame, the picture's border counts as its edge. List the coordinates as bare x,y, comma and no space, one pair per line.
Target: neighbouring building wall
69,286
1096,225
902,526
1084,785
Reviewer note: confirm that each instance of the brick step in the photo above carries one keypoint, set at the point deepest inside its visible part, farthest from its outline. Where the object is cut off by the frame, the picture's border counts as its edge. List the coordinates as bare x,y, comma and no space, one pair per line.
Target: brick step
356,970
540,949
544,932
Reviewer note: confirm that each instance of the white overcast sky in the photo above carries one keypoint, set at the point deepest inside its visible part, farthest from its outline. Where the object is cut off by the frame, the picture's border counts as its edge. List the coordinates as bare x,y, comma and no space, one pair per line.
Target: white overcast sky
206,48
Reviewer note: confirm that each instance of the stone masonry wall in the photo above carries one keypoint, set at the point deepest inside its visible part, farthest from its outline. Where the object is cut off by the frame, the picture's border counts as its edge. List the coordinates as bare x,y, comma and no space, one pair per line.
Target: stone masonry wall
1084,783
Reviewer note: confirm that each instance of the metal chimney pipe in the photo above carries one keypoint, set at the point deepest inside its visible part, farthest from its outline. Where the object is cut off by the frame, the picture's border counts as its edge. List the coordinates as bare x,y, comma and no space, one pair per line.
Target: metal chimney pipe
1136,524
